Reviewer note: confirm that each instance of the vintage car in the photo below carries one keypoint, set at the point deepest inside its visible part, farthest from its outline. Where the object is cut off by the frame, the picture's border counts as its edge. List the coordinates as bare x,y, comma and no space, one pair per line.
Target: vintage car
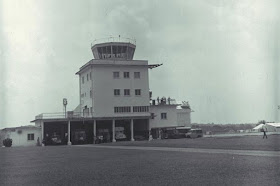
194,133
56,140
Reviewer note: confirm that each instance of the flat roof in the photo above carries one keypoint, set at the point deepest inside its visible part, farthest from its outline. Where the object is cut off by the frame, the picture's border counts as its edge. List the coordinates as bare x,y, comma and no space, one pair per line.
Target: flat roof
89,118
108,62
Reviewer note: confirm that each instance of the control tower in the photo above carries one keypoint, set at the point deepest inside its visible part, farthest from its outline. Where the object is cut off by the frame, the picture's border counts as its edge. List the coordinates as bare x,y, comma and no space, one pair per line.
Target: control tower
114,48
113,84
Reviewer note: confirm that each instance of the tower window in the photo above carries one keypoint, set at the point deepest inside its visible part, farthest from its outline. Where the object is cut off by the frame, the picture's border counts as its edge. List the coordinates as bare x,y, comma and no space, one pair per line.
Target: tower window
83,79
136,75
87,77
138,92
116,75
116,92
152,115
126,74
126,92
163,115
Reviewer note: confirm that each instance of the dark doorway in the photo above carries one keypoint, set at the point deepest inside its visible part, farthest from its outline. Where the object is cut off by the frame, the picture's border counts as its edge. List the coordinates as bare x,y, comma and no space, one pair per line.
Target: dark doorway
55,133
122,130
141,129
104,131
81,132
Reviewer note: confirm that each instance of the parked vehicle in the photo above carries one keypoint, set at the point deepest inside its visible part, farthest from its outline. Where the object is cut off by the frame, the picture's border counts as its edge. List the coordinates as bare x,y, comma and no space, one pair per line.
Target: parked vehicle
119,133
175,133
194,133
183,130
103,136
79,136
56,140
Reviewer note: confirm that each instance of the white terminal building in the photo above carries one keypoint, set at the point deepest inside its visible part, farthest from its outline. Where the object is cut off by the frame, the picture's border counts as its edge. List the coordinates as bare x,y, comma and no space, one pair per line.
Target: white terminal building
115,100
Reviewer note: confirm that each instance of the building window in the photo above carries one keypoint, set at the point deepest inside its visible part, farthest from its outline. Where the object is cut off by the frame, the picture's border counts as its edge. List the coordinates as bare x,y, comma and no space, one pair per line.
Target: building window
141,109
90,75
116,75
122,109
117,92
152,115
163,115
30,137
87,77
90,93
126,92
126,74
138,92
136,75
83,79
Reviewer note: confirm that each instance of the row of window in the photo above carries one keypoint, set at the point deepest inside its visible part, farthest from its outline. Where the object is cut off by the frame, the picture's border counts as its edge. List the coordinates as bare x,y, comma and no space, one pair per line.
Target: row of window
126,75
126,92
116,75
141,109
122,109
128,109
88,78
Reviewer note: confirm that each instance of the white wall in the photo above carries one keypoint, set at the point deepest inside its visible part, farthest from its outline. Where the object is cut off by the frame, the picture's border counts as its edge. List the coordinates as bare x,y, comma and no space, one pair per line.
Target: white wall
184,117
21,139
171,120
104,85
175,117
85,89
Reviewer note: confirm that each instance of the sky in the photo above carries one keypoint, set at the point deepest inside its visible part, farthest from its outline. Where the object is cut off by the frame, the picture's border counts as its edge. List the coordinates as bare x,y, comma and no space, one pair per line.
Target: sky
220,55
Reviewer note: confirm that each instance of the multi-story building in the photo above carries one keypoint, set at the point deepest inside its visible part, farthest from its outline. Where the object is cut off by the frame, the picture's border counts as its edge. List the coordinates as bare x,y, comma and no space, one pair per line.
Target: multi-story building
114,94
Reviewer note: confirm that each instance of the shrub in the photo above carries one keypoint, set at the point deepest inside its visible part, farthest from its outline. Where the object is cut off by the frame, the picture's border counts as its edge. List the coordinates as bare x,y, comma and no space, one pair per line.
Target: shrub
7,142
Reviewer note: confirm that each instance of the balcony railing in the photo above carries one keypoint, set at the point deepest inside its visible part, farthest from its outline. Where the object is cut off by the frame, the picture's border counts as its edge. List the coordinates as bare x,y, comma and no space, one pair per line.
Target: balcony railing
67,115
113,39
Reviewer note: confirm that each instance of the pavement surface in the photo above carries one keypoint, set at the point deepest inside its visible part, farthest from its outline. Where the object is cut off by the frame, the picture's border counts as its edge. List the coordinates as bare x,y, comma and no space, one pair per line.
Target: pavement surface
120,164
193,150
226,142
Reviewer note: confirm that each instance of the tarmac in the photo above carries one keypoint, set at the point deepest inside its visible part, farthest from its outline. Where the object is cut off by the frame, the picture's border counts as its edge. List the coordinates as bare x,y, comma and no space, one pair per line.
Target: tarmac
193,150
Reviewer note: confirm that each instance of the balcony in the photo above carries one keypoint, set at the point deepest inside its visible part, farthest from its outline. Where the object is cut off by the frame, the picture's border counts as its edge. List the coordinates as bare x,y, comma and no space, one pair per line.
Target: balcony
62,115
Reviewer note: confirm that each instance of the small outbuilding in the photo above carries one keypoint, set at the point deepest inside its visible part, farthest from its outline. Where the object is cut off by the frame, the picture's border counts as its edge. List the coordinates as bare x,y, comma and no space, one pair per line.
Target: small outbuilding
29,135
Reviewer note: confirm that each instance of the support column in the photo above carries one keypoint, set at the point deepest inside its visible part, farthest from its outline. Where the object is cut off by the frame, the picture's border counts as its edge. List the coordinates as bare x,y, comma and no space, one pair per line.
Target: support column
69,133
94,131
132,129
150,130
42,130
113,131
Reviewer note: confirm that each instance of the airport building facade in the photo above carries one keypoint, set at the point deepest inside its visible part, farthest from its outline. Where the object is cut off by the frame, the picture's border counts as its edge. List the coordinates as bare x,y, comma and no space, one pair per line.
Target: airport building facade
115,101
